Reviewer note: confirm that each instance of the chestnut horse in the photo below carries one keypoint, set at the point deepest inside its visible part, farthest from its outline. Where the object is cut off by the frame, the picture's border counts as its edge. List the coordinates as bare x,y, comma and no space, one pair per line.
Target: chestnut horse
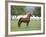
24,20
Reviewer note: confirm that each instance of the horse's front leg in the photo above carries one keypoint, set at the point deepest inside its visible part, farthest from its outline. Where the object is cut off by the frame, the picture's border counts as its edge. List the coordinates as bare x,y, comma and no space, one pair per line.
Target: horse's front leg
27,23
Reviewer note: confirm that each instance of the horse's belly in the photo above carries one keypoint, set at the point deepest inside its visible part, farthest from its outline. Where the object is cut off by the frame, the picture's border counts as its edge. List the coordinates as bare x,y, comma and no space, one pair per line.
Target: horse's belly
25,20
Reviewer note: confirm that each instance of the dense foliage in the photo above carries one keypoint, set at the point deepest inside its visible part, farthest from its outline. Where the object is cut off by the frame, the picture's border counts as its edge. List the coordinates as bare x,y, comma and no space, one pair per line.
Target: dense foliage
37,11
17,10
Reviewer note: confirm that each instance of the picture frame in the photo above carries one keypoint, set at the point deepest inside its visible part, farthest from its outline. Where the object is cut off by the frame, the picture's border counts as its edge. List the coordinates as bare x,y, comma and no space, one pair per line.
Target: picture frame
26,32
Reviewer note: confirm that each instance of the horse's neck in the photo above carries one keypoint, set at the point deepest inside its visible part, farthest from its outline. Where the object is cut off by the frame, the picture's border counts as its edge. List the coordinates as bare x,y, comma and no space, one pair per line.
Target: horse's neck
28,16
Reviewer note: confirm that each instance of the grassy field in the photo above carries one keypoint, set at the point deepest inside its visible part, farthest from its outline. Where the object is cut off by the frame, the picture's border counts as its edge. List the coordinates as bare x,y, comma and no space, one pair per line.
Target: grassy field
33,25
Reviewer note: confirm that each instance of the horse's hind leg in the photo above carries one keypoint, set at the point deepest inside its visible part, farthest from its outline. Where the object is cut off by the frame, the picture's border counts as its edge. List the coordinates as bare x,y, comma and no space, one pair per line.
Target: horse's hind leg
19,23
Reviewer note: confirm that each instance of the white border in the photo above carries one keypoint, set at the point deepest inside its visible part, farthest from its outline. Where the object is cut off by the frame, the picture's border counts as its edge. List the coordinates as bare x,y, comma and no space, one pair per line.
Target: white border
23,32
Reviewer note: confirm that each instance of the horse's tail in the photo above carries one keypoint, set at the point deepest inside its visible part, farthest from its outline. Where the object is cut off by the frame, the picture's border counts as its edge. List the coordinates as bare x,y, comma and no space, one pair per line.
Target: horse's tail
19,22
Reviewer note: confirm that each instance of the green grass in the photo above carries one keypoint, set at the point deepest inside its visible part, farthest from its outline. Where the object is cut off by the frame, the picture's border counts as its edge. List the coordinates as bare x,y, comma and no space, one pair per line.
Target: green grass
33,25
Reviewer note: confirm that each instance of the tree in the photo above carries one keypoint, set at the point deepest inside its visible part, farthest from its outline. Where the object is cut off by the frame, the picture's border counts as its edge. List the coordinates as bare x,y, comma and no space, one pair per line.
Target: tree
37,11
17,10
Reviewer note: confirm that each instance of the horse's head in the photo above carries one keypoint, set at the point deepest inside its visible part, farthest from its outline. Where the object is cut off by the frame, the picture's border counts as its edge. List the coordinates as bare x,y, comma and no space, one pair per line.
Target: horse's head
29,14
